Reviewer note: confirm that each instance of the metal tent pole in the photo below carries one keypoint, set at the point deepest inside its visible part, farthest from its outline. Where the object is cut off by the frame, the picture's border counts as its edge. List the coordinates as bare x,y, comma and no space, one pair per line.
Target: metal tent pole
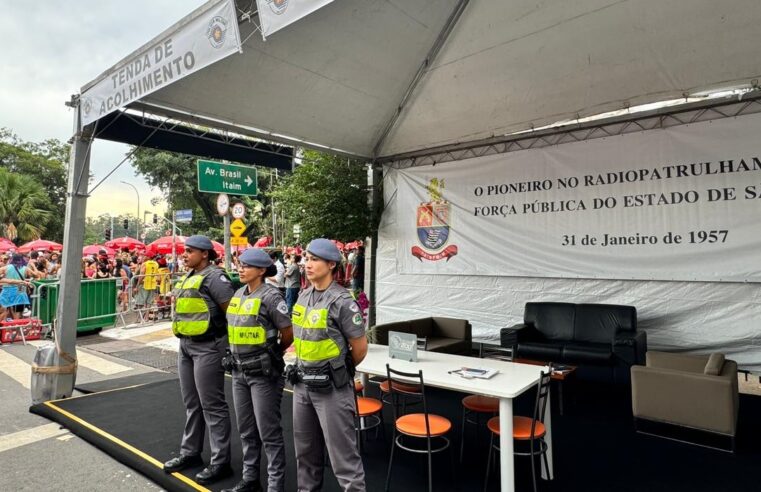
375,199
71,270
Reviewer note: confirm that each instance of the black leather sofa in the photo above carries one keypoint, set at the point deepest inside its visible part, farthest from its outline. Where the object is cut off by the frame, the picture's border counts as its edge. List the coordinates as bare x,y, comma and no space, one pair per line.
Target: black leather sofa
585,335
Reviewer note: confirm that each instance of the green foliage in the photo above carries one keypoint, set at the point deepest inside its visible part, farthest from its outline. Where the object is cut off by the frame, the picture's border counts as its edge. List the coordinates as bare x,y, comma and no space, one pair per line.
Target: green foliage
46,163
176,175
327,197
23,207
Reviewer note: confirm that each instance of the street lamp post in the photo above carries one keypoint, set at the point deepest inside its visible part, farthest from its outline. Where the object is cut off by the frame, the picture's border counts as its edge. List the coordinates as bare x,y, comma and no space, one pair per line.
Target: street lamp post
137,218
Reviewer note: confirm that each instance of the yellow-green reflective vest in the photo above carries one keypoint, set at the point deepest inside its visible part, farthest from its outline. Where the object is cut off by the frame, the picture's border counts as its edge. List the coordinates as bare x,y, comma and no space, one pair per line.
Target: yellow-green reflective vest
244,327
316,339
191,313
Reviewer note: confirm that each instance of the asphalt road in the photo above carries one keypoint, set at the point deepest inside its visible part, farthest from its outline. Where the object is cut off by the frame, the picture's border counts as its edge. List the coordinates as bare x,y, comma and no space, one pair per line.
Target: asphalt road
38,455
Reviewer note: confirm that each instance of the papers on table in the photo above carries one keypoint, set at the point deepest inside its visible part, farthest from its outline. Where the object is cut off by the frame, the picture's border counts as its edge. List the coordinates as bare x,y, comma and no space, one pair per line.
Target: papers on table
475,372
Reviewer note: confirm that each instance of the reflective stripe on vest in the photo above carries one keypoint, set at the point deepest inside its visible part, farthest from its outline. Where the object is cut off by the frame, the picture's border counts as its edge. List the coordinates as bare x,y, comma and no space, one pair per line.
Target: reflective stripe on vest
311,338
243,325
191,314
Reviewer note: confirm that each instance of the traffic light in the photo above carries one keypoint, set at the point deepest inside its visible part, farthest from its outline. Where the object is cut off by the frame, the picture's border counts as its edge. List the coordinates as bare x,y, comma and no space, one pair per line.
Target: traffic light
107,234
126,224
155,219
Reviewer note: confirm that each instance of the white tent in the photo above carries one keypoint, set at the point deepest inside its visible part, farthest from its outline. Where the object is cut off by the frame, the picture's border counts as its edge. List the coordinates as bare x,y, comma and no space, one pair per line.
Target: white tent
394,81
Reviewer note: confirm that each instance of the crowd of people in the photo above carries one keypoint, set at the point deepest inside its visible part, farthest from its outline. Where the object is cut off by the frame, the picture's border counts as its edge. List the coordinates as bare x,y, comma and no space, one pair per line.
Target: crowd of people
17,270
149,275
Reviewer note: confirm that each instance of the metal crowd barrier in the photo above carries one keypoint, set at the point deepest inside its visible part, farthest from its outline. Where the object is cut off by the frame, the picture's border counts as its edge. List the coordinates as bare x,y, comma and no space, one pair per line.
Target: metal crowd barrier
154,303
98,303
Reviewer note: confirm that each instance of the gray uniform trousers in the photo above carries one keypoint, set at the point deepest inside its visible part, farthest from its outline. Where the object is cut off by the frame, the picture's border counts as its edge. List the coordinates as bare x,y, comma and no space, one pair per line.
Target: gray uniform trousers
202,381
257,408
326,419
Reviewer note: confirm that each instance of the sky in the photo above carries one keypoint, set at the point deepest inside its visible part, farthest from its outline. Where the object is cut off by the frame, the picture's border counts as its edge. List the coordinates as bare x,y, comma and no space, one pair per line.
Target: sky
56,48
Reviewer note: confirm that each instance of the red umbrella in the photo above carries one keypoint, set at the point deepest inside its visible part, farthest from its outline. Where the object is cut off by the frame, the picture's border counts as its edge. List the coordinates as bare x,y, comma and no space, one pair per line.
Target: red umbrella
95,249
40,245
263,242
6,245
125,242
219,248
163,245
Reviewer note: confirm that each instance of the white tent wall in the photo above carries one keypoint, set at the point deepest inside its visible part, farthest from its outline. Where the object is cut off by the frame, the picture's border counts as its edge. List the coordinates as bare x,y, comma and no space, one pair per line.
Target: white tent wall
697,317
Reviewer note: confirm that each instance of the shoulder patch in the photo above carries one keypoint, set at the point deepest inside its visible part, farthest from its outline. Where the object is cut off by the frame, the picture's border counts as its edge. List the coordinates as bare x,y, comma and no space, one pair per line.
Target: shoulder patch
357,319
354,307
282,307
224,279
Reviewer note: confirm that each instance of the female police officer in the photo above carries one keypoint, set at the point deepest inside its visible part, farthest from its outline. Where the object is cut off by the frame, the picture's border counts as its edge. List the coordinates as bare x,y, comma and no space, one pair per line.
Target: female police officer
329,337
199,322
256,315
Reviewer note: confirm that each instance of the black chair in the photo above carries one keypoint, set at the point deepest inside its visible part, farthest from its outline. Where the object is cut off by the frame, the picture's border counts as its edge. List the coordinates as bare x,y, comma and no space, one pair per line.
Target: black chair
526,429
410,392
429,427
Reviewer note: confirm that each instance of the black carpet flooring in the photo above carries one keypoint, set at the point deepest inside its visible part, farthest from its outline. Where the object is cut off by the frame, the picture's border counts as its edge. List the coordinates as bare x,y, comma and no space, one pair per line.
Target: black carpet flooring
595,445
117,383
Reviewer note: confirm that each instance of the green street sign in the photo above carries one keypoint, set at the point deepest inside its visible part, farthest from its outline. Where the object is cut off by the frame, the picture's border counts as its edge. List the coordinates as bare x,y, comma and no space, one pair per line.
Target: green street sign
216,177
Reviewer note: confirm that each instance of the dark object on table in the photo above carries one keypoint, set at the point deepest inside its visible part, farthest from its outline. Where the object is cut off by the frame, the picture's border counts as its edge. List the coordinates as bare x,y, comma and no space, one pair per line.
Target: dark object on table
447,335
586,335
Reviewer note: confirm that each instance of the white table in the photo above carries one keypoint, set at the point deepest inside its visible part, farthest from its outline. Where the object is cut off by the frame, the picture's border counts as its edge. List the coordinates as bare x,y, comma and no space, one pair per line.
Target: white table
512,380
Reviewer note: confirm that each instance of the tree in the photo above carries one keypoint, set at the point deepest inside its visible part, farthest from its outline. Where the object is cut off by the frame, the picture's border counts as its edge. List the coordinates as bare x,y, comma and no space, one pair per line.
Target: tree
23,207
327,197
46,163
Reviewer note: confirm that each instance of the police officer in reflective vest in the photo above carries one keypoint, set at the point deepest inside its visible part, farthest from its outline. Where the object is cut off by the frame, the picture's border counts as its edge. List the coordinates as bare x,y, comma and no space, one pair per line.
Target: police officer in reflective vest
330,341
201,299
256,316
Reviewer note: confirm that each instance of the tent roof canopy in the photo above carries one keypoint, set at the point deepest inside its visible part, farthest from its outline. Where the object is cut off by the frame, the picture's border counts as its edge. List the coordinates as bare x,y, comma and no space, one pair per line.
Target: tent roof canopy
376,79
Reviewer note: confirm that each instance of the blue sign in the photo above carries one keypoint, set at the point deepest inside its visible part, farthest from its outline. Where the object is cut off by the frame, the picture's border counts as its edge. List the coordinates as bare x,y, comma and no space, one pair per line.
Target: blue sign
183,215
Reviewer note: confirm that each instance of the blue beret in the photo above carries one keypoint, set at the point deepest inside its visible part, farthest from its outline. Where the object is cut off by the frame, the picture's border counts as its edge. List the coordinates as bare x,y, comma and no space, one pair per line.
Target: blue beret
255,257
199,242
325,249
258,258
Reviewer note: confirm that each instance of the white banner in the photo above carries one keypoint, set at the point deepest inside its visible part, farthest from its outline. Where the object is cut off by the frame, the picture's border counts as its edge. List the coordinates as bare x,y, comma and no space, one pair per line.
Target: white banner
677,204
277,14
206,39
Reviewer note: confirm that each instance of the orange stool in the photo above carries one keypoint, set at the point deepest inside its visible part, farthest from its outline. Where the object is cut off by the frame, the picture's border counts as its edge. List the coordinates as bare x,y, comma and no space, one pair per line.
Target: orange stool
369,413
421,426
530,430
475,405
404,391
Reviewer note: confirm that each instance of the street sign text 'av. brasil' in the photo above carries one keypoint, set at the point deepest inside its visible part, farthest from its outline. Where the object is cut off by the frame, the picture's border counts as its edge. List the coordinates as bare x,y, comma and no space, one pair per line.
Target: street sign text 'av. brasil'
216,177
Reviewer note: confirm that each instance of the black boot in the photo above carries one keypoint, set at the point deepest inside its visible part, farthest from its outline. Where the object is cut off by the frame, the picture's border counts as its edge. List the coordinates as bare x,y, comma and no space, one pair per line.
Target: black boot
246,486
213,473
181,462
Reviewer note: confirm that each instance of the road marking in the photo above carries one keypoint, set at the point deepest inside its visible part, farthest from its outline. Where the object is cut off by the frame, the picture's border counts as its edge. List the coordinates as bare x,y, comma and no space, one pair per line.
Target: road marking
29,436
127,333
16,368
92,362
100,364
172,343
155,336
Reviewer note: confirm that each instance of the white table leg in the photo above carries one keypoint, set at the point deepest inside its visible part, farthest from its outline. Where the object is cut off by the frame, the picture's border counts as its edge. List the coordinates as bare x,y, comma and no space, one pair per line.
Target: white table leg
506,457
364,378
548,440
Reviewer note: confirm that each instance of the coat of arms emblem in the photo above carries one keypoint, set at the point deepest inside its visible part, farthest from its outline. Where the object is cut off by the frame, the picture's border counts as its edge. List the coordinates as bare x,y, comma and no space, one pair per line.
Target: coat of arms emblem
433,221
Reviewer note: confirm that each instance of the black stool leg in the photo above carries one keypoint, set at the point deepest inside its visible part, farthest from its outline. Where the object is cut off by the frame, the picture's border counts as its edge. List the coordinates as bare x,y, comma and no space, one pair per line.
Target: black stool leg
391,461
462,433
